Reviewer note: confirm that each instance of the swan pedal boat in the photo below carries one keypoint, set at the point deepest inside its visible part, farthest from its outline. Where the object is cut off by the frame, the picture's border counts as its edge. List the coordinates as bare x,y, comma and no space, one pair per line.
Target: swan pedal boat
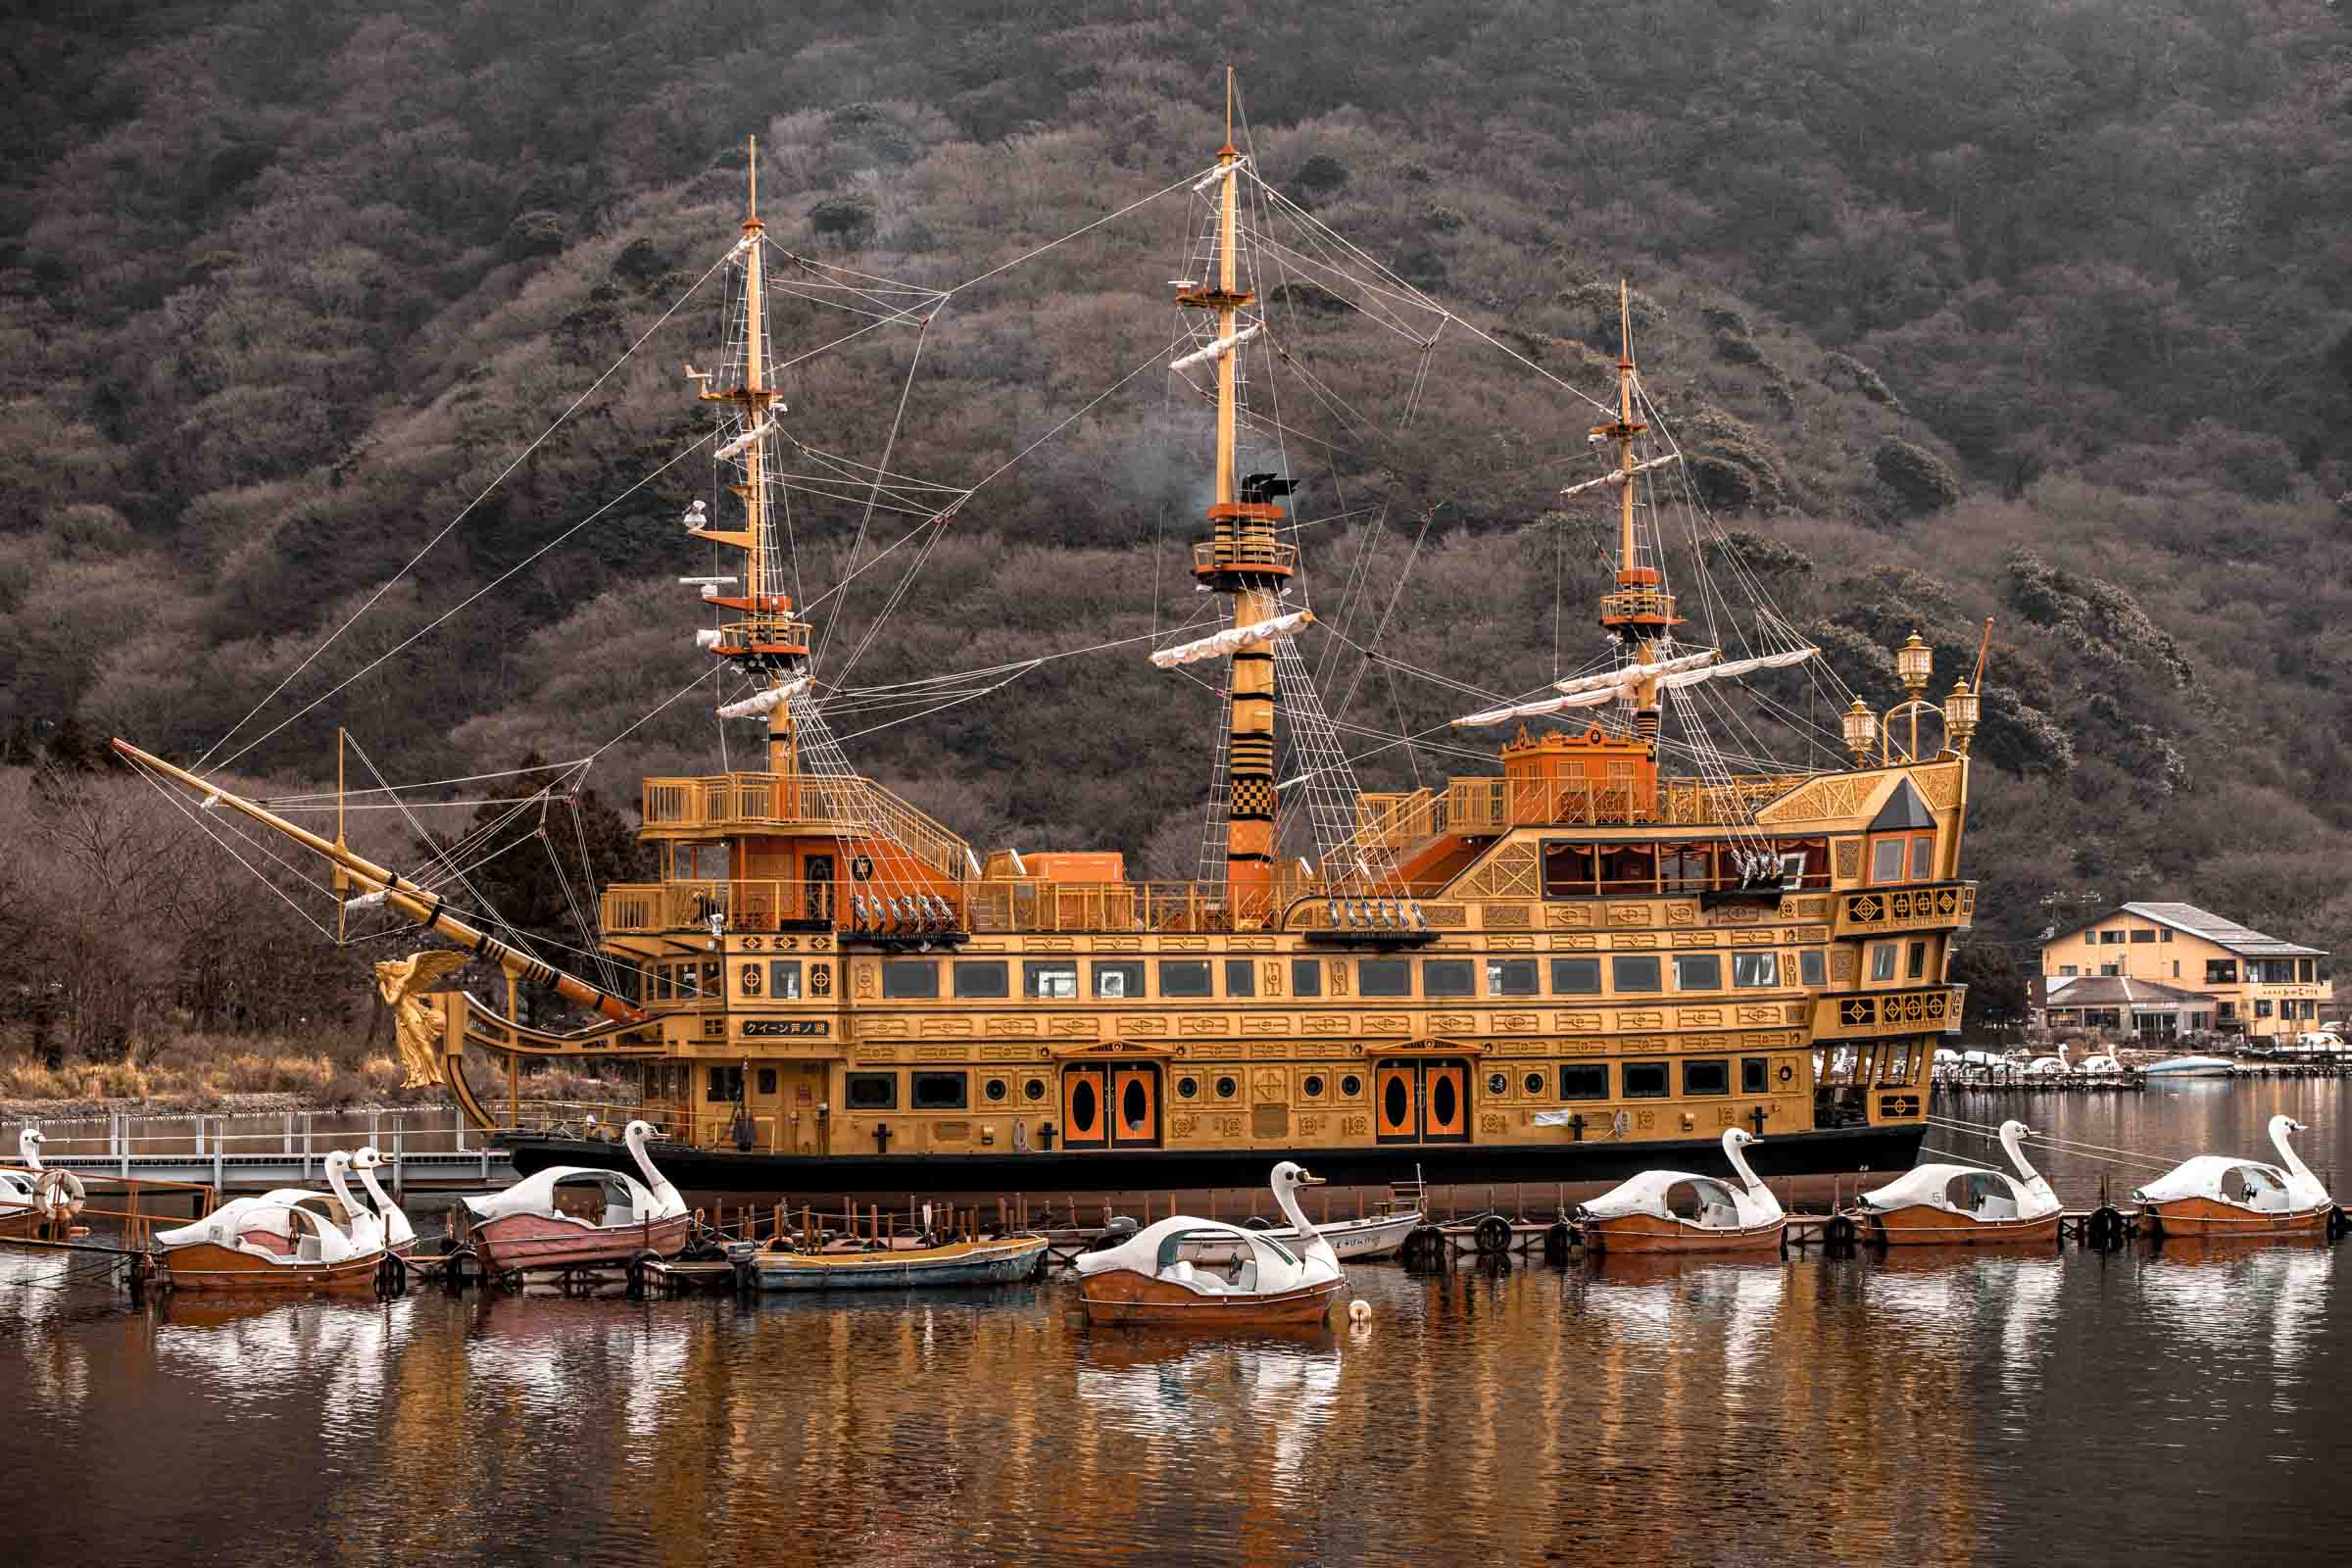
278,1242
1964,1205
1637,1215
2220,1195
1149,1280
21,1205
995,1260
524,1226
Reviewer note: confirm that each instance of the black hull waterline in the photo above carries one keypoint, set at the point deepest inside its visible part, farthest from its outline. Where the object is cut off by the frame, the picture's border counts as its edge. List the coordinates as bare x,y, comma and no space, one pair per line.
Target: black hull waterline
779,1177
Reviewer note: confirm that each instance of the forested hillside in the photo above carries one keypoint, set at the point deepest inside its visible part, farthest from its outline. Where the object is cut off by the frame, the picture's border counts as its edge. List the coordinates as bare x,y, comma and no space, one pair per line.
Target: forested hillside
2037,310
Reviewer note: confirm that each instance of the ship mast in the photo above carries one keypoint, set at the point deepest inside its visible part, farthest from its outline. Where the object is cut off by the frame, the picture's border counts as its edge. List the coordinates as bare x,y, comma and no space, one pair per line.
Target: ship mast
770,645
1244,561
1639,613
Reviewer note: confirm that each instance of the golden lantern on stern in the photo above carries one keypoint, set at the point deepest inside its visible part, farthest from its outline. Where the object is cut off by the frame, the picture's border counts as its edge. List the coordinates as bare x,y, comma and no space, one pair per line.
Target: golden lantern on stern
1914,662
1961,711
1861,727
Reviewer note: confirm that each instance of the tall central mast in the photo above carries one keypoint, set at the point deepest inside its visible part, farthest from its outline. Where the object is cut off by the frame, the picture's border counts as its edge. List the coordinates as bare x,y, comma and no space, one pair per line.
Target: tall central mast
770,645
1242,560
1640,612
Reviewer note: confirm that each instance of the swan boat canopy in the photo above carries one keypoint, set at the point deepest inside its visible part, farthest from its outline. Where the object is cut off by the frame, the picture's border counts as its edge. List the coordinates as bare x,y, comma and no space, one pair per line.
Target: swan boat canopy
1647,1214
1691,882
1152,1279
2217,1195
539,1222
1964,1204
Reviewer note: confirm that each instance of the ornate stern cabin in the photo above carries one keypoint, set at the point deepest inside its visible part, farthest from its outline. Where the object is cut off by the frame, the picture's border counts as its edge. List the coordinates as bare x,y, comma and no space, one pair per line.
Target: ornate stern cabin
1616,944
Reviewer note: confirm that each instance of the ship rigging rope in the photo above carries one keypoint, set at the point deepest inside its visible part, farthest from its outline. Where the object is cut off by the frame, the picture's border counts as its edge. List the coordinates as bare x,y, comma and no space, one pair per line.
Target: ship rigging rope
866,519
445,529
192,813
2065,1145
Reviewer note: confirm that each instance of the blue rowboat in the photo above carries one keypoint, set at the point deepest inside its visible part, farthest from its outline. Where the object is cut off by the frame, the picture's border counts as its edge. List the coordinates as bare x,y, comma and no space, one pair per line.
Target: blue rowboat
1001,1262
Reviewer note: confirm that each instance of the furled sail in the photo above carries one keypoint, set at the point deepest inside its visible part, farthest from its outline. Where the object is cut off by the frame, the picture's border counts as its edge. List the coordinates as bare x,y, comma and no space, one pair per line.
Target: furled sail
1231,640
1672,674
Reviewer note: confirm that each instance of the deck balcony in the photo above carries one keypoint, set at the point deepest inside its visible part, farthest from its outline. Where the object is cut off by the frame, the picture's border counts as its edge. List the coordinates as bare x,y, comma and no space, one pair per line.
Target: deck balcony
1493,805
727,803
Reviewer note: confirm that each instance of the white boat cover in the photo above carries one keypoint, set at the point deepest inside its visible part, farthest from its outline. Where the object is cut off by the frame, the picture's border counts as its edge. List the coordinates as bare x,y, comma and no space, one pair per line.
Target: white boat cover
1157,1251
2190,1067
223,1225
1721,1205
1930,1187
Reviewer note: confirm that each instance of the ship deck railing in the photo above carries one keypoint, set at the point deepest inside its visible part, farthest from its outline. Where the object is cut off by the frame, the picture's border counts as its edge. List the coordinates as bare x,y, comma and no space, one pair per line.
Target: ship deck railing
1492,803
726,804
978,906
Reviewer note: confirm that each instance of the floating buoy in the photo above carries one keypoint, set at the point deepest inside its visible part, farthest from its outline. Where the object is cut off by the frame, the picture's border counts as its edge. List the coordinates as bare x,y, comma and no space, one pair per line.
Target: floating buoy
1359,1310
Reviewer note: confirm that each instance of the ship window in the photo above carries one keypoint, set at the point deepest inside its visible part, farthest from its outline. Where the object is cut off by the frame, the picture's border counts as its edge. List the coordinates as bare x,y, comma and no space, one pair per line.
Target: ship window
1054,980
714,983
1117,980
1685,867
723,1083
1568,871
1697,972
699,863
982,977
1312,1086
1918,960
1187,1087
939,1091
1576,977
1922,856
1532,1083
1645,1080
1448,977
1306,977
1887,860
1754,1075
1585,1080
1351,1085
997,1089
1882,960
871,1091
1706,1077
1241,977
1225,1087
1635,974
1032,1089
1755,969
767,1080
1184,977
1498,1083
1511,977
1629,869
2262,1010
910,978
1812,968
783,979
1895,1065
1384,977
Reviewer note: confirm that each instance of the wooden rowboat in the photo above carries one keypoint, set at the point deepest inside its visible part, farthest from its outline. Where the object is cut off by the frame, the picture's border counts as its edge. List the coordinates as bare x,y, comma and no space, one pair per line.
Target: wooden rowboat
1000,1260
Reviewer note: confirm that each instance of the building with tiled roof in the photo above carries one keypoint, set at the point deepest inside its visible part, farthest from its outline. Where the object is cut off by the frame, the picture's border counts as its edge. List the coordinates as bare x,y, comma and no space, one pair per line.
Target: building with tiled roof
2251,983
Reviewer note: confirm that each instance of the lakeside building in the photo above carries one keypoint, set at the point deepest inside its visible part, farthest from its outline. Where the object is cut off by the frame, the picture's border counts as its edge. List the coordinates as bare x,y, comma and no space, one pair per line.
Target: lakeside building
2188,970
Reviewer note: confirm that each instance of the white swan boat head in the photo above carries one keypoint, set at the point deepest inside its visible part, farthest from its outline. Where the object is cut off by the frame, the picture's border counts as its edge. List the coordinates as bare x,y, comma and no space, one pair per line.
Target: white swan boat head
1717,1205
1970,1192
2250,1184
398,1232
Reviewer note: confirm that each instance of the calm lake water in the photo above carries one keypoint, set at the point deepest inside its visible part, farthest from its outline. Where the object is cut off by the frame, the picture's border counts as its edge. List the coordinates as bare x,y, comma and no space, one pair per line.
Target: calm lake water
2177,1405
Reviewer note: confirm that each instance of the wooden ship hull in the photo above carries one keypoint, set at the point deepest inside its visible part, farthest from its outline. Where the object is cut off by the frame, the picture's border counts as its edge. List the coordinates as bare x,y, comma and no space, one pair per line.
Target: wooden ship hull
208,1267
1004,1261
1646,1232
1123,1297
2211,1219
1919,1225
535,1241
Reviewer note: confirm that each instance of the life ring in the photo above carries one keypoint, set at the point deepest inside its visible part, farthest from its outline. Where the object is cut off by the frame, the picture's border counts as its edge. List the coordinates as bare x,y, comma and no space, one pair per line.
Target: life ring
58,1195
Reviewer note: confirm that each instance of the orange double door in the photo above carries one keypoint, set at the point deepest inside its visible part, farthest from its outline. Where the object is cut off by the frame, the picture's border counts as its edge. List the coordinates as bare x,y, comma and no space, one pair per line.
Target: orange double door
1111,1106
1422,1101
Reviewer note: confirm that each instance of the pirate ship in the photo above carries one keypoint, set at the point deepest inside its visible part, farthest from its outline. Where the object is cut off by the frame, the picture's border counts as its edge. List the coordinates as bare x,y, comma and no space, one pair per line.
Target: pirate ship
1618,942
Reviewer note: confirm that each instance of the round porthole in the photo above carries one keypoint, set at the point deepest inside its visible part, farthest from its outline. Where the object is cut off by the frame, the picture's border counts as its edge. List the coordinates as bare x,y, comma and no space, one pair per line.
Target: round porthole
1187,1088
1786,1072
1351,1085
1497,1083
1534,1082
1225,1087
1034,1089
996,1089
1313,1086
